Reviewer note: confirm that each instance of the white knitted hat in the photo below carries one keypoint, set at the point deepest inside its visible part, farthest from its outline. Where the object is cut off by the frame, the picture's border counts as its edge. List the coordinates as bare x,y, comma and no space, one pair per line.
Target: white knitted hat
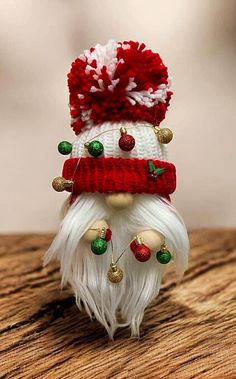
146,143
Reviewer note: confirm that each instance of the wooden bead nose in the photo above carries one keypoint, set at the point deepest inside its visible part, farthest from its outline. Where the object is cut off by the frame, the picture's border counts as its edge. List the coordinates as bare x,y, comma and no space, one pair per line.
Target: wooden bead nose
119,200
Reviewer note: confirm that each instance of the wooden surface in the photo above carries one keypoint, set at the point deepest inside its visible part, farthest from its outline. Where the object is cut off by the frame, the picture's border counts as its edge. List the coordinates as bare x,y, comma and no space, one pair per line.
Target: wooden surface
188,332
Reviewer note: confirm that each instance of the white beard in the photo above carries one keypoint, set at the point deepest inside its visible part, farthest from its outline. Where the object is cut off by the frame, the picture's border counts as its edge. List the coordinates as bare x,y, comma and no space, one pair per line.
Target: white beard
122,304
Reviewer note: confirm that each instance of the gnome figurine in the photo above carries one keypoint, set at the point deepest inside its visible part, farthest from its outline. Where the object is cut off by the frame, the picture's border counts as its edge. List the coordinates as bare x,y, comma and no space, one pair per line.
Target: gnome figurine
120,231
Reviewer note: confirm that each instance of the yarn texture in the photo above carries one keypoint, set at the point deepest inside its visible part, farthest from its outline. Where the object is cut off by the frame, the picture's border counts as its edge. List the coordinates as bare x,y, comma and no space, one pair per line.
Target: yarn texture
119,192
116,82
107,175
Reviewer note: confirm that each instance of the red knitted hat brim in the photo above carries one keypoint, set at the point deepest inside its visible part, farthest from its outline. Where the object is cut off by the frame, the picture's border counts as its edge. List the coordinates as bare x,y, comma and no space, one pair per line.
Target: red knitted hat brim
107,175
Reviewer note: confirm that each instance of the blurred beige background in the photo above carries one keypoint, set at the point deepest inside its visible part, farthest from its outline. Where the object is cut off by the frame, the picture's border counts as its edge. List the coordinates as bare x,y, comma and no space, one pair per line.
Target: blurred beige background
38,41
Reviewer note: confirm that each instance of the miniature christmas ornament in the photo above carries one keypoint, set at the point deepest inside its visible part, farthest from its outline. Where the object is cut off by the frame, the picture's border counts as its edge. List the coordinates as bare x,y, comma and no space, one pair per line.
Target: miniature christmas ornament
61,184
163,256
164,135
126,141
119,220
99,245
115,274
65,148
141,252
95,148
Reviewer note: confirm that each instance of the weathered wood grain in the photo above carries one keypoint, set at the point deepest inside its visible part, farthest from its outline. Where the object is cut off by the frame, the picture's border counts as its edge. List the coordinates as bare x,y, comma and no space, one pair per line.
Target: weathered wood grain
188,332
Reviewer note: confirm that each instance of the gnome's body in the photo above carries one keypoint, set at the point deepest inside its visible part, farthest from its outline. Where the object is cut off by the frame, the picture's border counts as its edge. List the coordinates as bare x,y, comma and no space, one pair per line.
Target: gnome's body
120,183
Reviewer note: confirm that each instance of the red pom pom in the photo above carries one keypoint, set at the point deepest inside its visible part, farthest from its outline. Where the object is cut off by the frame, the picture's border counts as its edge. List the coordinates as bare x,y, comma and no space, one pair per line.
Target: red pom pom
77,126
99,95
126,142
108,235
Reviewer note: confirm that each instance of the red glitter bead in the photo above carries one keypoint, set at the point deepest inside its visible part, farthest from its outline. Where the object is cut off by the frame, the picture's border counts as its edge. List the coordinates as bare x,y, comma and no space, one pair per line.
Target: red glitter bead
142,253
133,245
108,235
126,142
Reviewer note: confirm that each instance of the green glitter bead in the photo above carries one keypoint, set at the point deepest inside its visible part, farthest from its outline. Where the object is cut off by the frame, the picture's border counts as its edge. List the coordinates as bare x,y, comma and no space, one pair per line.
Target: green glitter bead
65,148
95,148
163,256
99,246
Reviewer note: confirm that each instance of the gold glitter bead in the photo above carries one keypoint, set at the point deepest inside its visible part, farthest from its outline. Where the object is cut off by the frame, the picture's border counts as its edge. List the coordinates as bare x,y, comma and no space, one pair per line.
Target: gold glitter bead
164,135
59,184
115,274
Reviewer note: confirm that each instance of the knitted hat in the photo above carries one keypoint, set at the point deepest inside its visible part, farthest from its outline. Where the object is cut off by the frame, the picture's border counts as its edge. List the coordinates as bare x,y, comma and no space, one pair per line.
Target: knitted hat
119,94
